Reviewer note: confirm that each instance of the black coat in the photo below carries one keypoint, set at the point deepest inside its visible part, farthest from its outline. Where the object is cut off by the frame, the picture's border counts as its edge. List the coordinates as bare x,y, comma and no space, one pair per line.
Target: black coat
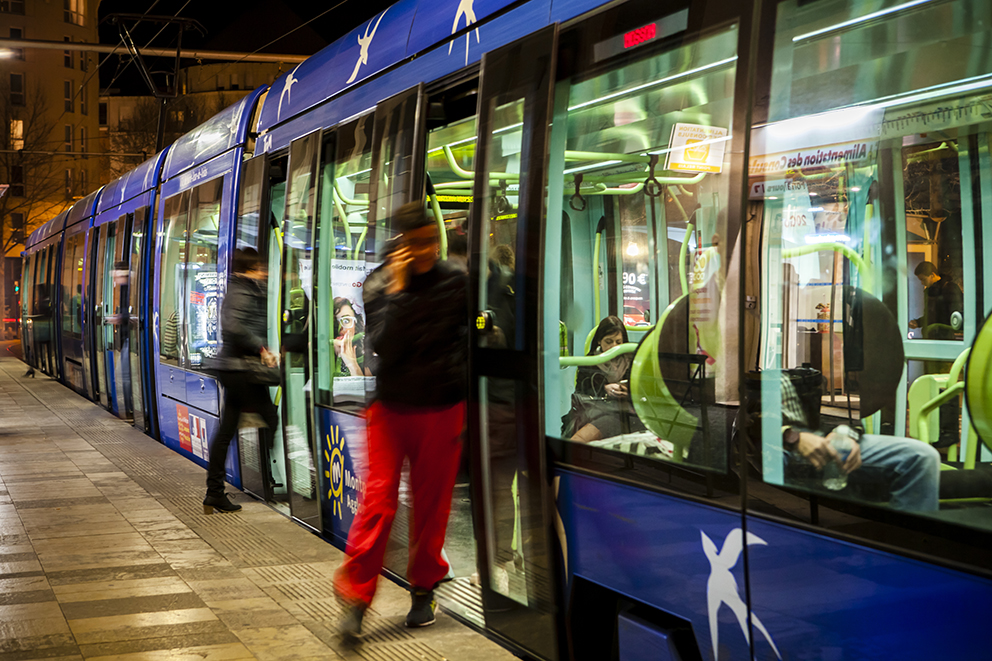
419,337
243,318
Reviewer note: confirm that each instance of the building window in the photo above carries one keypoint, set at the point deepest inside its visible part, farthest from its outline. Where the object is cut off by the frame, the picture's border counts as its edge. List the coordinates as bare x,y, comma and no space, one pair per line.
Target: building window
102,111
83,184
67,95
82,99
83,147
17,181
74,12
16,53
68,183
12,7
17,89
67,54
68,137
83,66
17,134
17,227
234,82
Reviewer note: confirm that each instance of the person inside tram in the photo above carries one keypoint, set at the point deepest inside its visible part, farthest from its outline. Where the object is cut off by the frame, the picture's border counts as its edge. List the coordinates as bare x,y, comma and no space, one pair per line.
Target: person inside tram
601,406
909,469
943,298
349,336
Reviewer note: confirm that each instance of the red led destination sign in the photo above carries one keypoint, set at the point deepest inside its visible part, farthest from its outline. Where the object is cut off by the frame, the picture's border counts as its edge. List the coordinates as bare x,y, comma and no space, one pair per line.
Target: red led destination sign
657,29
640,35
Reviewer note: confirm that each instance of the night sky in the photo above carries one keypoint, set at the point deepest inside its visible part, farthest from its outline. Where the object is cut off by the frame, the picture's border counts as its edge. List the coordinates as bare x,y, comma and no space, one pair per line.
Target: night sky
230,26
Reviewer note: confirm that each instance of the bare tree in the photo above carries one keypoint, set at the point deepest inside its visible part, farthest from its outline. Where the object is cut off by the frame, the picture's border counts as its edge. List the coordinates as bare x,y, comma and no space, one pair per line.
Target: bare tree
36,189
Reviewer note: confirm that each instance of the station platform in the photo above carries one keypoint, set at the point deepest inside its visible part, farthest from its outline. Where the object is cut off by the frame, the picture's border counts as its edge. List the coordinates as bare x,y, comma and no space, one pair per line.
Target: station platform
105,553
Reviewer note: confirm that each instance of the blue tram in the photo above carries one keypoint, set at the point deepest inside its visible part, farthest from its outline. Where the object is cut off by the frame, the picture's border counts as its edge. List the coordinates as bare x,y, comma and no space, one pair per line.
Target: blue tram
778,204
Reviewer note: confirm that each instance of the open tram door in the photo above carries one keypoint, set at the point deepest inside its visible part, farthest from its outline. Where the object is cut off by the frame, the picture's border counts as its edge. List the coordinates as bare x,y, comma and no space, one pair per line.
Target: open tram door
512,495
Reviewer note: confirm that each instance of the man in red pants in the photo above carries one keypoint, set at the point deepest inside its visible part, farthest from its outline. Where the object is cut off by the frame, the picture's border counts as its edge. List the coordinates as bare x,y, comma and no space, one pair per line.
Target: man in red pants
417,326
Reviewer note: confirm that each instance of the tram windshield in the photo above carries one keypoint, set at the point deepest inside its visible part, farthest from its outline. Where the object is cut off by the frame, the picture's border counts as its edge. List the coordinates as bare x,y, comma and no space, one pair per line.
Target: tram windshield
637,254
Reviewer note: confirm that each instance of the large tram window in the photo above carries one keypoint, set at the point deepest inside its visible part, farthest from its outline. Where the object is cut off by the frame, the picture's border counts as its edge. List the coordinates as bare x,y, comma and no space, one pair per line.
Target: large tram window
72,286
637,253
343,364
867,186
171,268
201,272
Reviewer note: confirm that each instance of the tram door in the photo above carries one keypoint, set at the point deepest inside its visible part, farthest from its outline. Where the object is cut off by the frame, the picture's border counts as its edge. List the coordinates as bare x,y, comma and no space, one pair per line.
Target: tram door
98,241
135,321
511,492
296,294
116,288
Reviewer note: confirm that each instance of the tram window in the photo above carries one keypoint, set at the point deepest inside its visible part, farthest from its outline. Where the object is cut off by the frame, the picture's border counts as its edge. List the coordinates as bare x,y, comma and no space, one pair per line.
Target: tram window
250,205
865,189
343,364
636,255
201,285
72,286
171,268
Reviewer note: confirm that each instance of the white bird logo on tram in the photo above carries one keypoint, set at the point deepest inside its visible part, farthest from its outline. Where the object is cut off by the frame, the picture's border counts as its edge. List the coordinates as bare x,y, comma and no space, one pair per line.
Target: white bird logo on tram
363,43
287,90
467,8
721,588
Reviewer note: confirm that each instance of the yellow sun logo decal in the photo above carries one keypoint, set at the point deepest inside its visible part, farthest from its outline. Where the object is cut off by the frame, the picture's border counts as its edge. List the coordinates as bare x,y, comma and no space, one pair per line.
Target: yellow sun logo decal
333,453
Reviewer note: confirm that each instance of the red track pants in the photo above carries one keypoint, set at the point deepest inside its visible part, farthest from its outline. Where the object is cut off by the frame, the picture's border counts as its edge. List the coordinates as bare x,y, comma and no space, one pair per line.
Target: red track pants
431,438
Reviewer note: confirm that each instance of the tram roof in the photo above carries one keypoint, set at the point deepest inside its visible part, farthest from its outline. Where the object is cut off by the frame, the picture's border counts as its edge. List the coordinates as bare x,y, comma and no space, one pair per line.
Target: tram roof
213,137
83,209
52,227
401,31
133,183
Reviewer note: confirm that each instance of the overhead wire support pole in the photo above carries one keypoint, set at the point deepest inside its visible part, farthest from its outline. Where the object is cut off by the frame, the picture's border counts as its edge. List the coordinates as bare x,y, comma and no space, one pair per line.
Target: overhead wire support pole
170,91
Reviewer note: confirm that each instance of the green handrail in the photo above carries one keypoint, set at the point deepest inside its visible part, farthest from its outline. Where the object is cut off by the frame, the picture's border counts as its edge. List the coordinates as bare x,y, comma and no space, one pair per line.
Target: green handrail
595,275
600,358
439,219
683,250
950,393
847,251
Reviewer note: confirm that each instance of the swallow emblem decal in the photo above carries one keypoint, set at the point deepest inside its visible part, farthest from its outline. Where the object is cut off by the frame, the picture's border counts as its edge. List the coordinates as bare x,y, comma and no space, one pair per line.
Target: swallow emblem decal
721,588
466,8
363,43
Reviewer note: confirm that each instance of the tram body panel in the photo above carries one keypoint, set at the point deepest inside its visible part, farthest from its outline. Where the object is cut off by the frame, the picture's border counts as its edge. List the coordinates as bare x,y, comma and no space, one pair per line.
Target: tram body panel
652,548
819,596
342,467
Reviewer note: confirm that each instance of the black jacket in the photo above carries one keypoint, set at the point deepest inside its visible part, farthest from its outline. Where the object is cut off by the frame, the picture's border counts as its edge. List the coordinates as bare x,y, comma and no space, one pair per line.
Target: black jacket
243,318
419,337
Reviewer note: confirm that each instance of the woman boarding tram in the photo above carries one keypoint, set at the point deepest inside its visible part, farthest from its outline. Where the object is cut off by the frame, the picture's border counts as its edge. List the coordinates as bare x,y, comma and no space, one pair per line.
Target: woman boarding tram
726,169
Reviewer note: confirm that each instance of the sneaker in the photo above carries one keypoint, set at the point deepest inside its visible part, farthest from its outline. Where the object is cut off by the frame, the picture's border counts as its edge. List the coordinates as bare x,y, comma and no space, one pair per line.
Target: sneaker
422,611
351,626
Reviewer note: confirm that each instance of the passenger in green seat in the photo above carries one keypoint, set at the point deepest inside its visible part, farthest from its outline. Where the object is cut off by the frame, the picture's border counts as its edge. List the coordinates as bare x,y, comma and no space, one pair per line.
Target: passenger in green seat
601,406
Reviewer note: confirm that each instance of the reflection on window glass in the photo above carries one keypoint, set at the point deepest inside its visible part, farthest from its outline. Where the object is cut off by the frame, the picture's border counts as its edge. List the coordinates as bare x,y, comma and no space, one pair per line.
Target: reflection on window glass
344,367
642,257
171,268
201,273
862,185
72,286
250,205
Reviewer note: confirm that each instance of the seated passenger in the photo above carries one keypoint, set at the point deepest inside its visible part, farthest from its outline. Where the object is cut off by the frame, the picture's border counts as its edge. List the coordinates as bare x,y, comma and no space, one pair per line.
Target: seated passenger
601,406
909,469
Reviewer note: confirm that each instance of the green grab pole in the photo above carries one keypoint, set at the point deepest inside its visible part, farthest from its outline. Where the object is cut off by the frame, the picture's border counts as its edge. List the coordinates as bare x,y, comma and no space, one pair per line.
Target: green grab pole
598,359
360,242
683,250
441,234
595,277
